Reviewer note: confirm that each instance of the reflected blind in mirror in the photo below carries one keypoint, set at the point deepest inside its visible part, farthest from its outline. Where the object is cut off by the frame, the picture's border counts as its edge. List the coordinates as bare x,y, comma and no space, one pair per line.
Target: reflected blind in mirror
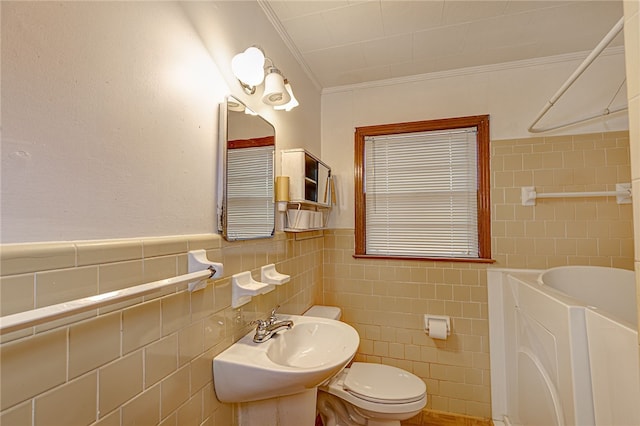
422,194
250,206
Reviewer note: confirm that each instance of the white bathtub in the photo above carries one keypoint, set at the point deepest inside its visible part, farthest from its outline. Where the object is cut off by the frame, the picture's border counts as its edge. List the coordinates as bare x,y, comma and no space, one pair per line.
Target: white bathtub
564,348
612,336
605,289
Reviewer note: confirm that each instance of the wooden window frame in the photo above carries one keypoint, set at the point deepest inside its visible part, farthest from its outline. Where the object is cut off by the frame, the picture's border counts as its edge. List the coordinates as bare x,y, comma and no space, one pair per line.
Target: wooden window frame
481,122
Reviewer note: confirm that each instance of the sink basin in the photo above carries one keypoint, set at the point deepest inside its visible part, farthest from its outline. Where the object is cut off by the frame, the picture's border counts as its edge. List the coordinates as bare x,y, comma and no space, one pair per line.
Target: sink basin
292,361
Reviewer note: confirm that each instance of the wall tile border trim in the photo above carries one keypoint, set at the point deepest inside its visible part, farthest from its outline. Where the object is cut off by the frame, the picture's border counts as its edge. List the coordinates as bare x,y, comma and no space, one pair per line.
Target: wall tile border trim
33,257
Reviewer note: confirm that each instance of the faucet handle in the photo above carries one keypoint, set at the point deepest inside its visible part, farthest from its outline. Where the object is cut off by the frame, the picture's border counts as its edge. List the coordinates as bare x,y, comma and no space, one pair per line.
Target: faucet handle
272,317
261,324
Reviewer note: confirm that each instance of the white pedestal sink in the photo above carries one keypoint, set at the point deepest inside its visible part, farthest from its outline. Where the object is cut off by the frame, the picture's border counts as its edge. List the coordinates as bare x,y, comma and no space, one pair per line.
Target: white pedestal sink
284,370
294,410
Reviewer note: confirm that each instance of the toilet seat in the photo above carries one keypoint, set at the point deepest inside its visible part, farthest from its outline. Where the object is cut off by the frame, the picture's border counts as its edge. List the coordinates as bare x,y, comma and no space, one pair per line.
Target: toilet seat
379,398
373,394
383,384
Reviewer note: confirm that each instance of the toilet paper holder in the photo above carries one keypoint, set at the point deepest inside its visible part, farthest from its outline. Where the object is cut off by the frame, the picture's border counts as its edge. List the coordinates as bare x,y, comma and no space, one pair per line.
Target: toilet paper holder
445,318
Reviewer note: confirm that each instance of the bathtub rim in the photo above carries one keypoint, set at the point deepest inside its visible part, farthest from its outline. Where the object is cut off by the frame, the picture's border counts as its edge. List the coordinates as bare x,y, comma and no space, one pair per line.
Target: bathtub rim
578,302
543,272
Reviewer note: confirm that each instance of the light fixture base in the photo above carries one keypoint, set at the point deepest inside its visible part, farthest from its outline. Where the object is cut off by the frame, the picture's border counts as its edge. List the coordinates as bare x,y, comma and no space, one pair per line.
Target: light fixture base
249,90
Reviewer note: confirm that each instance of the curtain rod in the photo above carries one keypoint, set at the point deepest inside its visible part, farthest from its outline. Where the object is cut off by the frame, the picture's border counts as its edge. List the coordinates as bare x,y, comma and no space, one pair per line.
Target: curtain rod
573,77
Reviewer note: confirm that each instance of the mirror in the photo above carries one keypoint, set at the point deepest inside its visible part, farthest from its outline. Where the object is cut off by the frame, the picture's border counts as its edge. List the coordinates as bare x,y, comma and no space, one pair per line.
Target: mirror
246,208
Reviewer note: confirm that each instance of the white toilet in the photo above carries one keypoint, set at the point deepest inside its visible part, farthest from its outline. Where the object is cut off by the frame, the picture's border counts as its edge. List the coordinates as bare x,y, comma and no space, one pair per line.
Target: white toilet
368,394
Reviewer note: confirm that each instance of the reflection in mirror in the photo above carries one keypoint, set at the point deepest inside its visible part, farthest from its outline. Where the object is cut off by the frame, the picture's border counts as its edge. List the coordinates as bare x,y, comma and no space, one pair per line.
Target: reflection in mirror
324,194
247,209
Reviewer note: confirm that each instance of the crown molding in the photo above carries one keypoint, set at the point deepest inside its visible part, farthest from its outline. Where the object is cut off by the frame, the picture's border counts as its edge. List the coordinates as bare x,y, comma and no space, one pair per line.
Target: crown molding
525,63
273,18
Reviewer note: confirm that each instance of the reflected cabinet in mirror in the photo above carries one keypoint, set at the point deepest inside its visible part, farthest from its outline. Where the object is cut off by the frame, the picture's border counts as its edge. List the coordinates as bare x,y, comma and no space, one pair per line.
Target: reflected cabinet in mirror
246,207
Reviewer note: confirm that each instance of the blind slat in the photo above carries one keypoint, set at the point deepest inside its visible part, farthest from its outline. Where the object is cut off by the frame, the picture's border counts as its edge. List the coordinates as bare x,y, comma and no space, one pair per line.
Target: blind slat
250,208
422,194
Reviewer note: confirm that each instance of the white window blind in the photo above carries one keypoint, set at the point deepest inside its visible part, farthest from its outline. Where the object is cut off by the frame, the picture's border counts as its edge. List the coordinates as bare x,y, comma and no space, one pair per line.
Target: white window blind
250,206
421,194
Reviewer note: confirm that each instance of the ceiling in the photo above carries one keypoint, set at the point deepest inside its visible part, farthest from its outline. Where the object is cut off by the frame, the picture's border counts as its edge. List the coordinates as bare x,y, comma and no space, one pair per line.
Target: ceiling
354,42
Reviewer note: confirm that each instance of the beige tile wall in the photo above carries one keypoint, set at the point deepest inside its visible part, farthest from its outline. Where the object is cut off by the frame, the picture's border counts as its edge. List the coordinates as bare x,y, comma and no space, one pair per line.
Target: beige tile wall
565,231
385,300
147,361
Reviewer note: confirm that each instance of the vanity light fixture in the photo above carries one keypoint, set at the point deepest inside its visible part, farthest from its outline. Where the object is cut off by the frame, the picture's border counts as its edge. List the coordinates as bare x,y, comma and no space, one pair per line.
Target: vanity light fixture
292,103
274,91
248,67
250,70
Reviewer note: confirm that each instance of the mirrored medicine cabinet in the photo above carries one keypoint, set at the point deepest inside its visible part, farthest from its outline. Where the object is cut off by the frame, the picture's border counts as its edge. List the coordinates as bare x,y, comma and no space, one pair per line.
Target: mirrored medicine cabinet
246,208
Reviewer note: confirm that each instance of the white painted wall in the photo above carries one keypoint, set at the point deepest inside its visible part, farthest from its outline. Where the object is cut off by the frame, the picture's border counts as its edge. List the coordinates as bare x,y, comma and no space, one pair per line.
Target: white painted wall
109,114
512,94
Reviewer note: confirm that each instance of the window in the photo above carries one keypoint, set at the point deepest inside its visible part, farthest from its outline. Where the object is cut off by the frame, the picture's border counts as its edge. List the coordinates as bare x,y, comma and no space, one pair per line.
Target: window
422,190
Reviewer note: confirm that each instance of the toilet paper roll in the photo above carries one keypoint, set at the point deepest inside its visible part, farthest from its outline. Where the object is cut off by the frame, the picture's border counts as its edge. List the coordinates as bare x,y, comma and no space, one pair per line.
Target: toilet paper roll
438,329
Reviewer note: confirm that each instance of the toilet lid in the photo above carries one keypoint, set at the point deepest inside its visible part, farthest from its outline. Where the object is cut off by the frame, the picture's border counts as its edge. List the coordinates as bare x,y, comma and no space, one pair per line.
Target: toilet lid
383,383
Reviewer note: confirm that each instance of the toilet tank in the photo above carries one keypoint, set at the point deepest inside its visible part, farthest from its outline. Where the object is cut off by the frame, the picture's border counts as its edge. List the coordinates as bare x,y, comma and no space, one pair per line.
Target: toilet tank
331,312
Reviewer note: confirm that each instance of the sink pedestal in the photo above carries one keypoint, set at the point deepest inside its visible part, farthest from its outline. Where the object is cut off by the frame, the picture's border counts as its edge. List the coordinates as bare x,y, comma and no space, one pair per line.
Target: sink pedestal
293,410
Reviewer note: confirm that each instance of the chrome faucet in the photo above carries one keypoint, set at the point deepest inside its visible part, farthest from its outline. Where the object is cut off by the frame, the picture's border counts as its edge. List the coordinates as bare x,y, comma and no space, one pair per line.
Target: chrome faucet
265,329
